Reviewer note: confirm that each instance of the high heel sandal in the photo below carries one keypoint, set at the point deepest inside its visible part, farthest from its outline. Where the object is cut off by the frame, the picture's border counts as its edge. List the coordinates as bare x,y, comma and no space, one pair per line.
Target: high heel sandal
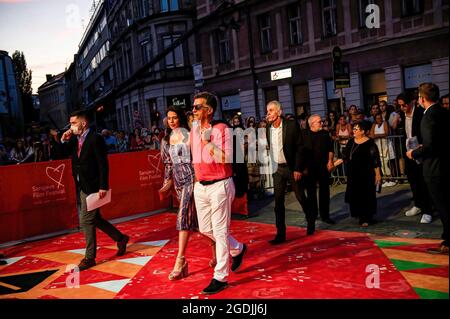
179,274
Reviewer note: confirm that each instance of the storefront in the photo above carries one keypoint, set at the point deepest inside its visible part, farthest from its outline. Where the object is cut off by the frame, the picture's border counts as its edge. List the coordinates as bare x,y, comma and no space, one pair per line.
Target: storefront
230,105
374,89
333,98
301,99
413,76
180,101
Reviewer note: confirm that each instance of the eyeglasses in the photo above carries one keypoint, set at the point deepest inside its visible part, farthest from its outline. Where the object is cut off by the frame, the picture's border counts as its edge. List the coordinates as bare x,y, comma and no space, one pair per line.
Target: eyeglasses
198,107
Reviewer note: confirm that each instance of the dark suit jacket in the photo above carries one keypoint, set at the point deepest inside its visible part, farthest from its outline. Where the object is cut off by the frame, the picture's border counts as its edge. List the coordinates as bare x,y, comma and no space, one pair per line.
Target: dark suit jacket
417,119
435,133
291,143
321,145
92,165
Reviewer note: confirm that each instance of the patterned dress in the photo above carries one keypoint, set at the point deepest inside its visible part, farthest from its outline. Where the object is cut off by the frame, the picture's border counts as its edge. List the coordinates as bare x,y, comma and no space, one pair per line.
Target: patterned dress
178,166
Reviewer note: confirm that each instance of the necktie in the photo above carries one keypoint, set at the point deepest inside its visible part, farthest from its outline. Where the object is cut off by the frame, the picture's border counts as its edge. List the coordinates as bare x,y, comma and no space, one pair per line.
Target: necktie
80,144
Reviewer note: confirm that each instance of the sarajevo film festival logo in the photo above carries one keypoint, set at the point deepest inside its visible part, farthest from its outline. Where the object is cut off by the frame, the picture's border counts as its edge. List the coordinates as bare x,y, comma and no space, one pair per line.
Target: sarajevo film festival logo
373,17
56,174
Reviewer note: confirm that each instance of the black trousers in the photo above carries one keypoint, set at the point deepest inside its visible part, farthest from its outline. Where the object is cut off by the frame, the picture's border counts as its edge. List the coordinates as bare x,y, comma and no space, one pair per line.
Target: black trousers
319,179
419,189
439,188
280,179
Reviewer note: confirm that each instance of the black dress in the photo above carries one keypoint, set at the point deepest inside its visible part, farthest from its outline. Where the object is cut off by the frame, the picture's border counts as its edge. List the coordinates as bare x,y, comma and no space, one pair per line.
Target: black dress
361,159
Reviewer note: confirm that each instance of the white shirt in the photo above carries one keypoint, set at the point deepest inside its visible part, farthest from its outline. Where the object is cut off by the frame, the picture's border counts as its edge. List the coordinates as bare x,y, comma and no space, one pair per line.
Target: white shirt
276,142
408,123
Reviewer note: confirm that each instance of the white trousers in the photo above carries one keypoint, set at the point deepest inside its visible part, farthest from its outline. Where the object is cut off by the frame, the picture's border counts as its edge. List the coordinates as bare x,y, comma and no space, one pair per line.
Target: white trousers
213,203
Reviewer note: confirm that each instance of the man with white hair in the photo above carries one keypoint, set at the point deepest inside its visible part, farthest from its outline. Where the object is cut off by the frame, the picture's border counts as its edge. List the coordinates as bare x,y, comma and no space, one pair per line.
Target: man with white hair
317,157
283,139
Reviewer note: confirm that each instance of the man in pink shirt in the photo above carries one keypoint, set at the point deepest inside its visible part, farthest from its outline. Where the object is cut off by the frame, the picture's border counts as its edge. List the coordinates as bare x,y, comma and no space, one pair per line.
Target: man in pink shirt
212,156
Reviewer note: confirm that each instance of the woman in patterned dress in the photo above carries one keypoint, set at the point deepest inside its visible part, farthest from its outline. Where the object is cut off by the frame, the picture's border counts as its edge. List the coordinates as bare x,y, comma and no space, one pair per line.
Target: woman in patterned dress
175,152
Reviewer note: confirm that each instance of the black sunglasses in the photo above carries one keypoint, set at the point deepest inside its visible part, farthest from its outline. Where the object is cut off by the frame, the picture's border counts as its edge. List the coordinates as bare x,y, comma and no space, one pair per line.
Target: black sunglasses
198,107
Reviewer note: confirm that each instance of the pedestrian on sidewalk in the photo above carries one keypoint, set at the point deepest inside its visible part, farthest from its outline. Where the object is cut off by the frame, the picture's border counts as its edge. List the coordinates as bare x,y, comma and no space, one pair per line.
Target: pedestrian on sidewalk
411,116
435,154
317,157
363,173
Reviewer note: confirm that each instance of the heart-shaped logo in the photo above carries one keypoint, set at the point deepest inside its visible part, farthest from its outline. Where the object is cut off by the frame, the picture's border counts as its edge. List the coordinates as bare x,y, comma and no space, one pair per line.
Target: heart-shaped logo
56,174
155,161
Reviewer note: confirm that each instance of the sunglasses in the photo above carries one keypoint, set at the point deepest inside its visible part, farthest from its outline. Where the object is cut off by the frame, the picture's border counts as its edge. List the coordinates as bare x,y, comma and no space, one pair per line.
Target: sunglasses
198,107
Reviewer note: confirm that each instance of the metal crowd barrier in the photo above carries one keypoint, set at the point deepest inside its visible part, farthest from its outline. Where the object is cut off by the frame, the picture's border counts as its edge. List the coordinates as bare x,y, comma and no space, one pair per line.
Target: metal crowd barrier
391,149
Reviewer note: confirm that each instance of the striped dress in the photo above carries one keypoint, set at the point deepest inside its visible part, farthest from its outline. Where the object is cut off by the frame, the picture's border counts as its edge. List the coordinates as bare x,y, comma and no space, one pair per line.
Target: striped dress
177,160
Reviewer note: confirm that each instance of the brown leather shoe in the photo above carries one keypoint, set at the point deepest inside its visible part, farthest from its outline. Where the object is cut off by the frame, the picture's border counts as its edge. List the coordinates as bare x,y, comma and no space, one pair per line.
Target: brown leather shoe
86,264
441,250
122,245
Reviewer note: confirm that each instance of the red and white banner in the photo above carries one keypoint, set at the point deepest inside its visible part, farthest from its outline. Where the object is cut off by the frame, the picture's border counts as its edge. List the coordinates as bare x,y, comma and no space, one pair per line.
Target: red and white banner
36,199
40,198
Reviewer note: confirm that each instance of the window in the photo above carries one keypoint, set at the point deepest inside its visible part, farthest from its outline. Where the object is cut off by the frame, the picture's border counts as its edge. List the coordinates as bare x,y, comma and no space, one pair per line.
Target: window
271,94
295,31
329,17
129,56
174,58
301,99
412,7
362,11
142,8
224,46
120,68
146,51
265,33
126,117
169,5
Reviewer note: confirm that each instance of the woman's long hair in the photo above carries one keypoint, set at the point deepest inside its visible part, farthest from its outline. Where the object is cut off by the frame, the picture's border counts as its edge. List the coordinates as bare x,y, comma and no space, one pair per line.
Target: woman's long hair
181,117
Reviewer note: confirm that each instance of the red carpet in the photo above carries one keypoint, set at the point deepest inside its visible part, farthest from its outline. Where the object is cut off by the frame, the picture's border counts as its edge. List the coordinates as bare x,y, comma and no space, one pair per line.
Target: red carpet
329,264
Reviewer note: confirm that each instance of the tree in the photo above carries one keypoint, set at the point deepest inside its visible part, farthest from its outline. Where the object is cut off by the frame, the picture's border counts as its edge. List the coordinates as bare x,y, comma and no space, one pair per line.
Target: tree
23,76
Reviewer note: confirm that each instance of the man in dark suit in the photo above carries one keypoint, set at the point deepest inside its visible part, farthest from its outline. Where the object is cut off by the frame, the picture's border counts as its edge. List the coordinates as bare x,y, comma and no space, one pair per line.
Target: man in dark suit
90,170
435,155
409,127
284,142
317,158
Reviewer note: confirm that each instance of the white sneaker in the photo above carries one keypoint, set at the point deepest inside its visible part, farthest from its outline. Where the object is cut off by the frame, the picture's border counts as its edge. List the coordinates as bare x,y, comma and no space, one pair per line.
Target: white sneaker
426,219
413,211
390,184
385,184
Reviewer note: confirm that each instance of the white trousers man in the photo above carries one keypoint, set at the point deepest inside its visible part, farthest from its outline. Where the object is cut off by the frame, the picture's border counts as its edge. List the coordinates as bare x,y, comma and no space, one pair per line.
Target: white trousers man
213,203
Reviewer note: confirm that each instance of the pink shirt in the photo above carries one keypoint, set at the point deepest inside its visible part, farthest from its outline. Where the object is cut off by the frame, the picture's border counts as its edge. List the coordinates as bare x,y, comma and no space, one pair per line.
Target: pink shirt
205,166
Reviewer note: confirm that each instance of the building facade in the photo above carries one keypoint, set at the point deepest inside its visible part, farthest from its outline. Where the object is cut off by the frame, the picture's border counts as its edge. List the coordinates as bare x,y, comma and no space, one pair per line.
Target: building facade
144,84
11,112
391,48
93,69
53,101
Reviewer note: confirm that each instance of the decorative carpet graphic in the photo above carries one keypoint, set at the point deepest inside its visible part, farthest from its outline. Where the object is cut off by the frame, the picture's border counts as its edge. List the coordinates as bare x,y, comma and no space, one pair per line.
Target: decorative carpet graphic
328,265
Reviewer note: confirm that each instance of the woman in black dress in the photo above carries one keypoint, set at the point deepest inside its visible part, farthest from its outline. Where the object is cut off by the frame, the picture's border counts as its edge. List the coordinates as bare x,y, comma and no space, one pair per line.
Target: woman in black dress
363,173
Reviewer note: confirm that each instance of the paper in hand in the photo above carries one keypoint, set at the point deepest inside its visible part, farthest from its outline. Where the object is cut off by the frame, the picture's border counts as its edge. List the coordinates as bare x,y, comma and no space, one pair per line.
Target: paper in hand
412,143
93,201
